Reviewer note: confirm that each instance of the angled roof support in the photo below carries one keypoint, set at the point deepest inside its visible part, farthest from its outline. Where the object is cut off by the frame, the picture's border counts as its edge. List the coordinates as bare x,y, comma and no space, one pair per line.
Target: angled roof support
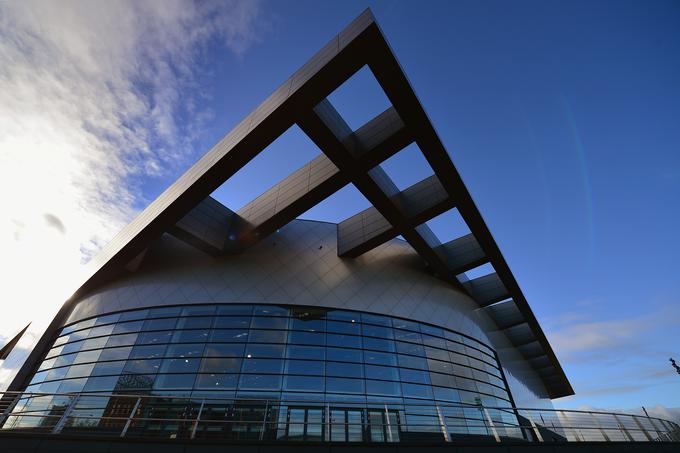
186,210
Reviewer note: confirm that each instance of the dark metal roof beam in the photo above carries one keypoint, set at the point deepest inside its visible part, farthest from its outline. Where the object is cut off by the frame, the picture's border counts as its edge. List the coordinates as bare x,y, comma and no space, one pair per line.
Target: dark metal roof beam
416,204
487,290
462,254
329,131
372,143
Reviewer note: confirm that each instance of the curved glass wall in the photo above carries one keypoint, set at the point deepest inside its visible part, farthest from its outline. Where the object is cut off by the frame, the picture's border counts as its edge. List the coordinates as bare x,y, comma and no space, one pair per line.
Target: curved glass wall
277,353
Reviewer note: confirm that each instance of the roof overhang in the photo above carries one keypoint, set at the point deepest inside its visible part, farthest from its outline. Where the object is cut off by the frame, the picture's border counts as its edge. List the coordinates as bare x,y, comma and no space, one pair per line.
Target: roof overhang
187,211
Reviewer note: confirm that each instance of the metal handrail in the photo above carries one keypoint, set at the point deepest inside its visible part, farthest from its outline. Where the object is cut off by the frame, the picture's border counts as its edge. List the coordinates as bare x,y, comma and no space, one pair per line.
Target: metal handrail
265,419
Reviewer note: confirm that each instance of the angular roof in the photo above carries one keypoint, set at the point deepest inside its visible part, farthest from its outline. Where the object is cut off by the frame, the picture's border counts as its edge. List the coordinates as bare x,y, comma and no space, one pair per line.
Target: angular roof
187,211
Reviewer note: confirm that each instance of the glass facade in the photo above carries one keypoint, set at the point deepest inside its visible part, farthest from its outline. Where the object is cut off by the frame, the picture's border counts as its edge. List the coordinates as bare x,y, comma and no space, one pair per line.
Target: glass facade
268,352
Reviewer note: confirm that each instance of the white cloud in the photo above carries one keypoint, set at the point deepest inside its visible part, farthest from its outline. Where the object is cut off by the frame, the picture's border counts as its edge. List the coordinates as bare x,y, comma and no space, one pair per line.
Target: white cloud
90,96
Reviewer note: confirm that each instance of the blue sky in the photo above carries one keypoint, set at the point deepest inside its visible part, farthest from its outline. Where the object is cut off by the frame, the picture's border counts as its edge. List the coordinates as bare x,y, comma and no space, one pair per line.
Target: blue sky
563,119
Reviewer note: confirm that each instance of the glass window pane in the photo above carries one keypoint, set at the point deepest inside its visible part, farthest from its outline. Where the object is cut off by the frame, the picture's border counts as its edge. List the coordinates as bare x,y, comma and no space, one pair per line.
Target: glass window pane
190,336
174,381
378,331
224,350
342,385
71,385
268,336
341,315
115,354
229,335
100,384
221,365
121,340
341,369
159,337
64,360
108,368
270,310
446,394
439,367
253,365
379,344
268,323
412,362
353,328
343,355
164,312
416,391
303,383
232,322
382,372
194,323
136,314
438,354
56,373
94,343
383,388
406,335
311,338
131,382
404,324
198,310
312,325
185,350
180,365
148,352
260,382
376,319
235,310
87,356
142,366
79,370
306,367
72,347
380,358
160,324
415,376
347,341
409,348
100,330
216,381
256,351
128,327
306,352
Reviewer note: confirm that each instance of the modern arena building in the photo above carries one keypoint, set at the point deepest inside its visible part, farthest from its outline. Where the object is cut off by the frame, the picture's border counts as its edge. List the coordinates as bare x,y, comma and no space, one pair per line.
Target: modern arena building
199,326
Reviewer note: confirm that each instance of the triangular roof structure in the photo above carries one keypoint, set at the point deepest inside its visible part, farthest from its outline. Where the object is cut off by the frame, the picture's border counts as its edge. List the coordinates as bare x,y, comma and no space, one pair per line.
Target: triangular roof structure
187,211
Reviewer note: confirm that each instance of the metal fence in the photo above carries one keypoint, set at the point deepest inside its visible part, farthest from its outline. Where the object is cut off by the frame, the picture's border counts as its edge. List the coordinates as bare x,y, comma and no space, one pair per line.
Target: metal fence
173,417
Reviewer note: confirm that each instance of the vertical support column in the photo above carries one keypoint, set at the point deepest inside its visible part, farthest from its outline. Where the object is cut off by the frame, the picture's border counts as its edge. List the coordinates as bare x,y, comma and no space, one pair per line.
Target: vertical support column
442,424
62,421
198,419
132,415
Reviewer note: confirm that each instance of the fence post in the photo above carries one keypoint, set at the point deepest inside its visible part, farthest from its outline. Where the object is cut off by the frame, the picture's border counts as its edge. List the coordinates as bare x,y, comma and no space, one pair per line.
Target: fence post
388,424
132,415
198,418
264,421
537,433
62,421
623,428
10,407
442,424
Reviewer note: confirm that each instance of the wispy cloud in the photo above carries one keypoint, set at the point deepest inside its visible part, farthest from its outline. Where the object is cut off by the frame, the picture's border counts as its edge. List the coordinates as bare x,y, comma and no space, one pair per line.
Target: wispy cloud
94,96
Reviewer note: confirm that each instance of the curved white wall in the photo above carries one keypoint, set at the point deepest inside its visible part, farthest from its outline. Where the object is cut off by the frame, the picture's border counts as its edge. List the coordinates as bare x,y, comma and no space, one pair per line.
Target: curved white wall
299,265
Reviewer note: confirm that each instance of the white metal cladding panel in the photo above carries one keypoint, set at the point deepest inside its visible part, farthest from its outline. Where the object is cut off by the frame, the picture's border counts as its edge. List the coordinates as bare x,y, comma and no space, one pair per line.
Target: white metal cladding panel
299,265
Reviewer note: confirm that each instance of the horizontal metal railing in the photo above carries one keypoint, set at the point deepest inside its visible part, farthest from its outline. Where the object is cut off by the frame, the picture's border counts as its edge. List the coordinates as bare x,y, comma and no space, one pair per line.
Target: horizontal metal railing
323,421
